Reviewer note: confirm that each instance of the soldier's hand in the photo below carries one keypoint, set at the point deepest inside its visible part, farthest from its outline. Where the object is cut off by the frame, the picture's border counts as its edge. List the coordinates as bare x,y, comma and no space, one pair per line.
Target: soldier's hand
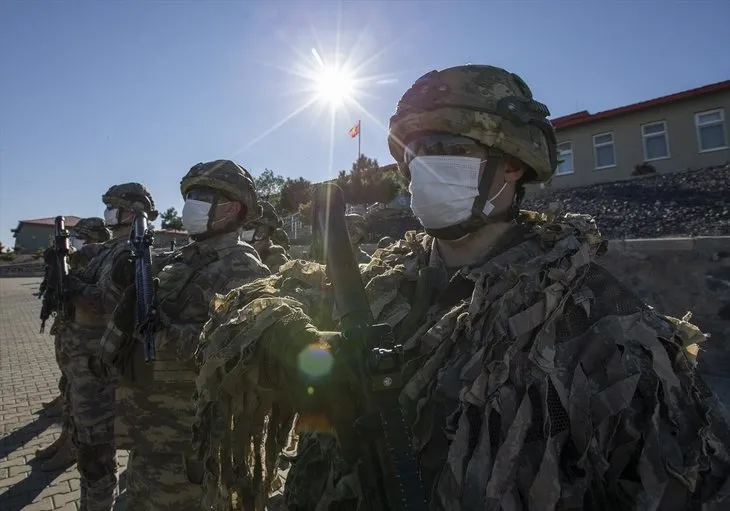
123,272
305,364
76,287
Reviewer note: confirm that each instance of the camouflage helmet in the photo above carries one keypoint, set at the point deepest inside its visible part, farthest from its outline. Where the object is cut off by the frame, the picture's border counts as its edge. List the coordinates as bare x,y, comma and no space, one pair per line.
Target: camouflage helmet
269,216
356,226
385,241
483,103
131,196
91,230
227,177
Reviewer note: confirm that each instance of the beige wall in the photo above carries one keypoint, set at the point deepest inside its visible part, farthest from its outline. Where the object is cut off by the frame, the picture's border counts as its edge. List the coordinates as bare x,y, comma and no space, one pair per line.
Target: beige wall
628,143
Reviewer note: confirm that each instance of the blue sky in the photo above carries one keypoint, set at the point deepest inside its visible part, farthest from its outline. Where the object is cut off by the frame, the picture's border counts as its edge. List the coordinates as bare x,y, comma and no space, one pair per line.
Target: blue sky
98,93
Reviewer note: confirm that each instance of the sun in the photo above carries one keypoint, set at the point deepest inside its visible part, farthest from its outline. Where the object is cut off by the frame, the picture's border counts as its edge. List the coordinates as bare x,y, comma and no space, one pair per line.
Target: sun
334,85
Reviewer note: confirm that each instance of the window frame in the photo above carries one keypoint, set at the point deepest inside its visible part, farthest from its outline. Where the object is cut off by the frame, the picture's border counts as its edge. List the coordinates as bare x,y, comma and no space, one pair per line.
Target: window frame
572,159
664,132
595,152
699,126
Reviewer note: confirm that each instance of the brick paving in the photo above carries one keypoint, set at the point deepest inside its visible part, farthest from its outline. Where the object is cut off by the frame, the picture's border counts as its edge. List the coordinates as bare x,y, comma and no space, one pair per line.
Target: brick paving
28,378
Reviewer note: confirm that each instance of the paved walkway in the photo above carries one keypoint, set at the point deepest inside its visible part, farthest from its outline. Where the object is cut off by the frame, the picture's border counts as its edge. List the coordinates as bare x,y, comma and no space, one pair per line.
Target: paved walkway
28,378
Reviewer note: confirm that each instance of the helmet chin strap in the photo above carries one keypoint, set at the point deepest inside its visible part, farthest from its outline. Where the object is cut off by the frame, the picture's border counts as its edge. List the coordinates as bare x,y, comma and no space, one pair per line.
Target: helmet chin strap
478,219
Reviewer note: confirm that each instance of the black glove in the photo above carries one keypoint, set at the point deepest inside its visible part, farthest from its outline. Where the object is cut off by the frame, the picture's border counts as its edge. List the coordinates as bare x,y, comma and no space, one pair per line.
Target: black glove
123,272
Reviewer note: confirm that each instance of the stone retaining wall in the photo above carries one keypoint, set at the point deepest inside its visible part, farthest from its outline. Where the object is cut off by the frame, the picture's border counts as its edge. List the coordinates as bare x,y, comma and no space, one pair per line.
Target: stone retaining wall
676,275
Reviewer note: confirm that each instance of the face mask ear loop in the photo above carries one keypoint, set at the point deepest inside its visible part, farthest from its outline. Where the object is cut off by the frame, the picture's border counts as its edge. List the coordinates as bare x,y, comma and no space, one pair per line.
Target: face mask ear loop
499,192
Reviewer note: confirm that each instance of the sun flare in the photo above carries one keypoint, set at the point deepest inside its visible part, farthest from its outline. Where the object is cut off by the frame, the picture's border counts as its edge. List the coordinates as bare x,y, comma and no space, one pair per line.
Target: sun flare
334,85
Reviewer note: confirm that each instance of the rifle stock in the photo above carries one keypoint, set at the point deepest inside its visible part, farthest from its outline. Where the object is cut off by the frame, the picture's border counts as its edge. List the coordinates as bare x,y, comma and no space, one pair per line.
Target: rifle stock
140,239
379,440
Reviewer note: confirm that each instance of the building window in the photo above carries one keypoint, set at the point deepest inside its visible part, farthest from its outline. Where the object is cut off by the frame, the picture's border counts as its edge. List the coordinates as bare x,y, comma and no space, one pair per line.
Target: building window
656,142
565,156
603,151
711,130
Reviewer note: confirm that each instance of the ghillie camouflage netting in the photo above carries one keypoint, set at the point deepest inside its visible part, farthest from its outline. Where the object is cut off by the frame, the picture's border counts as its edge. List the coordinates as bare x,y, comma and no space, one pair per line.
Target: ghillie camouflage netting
546,386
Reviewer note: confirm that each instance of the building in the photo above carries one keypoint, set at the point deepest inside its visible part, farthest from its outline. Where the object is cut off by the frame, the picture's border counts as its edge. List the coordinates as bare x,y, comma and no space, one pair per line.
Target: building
165,237
30,235
684,130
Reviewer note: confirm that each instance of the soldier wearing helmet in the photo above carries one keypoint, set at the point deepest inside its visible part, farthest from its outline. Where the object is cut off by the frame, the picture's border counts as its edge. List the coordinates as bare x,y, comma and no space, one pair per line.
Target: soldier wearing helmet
261,231
91,232
281,238
357,229
95,287
154,409
532,379
85,238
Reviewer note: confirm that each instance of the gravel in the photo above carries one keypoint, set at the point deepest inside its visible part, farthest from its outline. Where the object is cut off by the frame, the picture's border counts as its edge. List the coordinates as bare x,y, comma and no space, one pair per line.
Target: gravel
687,203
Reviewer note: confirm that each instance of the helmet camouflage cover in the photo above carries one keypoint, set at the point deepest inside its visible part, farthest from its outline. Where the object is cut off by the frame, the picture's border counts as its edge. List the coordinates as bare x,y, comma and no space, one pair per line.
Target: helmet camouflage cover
356,226
484,103
227,177
91,230
385,241
131,196
268,216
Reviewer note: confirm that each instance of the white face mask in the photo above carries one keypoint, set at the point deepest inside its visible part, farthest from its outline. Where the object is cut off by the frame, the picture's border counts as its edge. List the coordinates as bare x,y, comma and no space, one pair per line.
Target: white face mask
247,236
195,216
111,217
443,189
76,242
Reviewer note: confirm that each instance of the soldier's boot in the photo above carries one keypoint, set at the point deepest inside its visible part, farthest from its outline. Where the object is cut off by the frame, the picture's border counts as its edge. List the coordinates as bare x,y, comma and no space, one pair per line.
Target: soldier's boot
54,408
51,450
64,457
52,402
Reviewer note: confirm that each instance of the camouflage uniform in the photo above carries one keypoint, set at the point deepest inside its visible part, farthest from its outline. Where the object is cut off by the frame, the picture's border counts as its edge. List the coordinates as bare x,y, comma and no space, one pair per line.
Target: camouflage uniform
534,379
358,229
95,293
281,238
62,452
154,407
273,256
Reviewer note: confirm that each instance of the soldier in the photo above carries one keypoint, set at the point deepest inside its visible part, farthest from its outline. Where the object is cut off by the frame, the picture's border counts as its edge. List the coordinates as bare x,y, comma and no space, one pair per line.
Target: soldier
281,238
264,228
95,291
385,241
62,453
358,229
154,400
534,378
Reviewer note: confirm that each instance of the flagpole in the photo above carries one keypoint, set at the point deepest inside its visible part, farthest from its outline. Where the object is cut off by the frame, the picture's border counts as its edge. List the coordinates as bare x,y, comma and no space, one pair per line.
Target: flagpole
359,134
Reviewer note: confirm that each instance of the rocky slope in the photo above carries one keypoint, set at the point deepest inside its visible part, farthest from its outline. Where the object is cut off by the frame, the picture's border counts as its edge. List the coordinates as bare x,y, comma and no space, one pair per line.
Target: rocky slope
688,203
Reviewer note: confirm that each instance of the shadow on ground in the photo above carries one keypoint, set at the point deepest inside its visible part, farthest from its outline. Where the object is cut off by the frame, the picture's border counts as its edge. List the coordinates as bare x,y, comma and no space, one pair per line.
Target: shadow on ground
21,436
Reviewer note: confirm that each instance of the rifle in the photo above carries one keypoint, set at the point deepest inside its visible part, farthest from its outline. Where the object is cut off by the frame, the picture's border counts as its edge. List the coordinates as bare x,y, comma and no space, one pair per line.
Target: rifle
379,440
55,286
140,239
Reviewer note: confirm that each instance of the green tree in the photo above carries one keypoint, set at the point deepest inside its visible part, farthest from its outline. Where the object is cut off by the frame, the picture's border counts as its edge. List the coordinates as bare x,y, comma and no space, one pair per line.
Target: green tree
294,192
366,183
268,184
171,220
